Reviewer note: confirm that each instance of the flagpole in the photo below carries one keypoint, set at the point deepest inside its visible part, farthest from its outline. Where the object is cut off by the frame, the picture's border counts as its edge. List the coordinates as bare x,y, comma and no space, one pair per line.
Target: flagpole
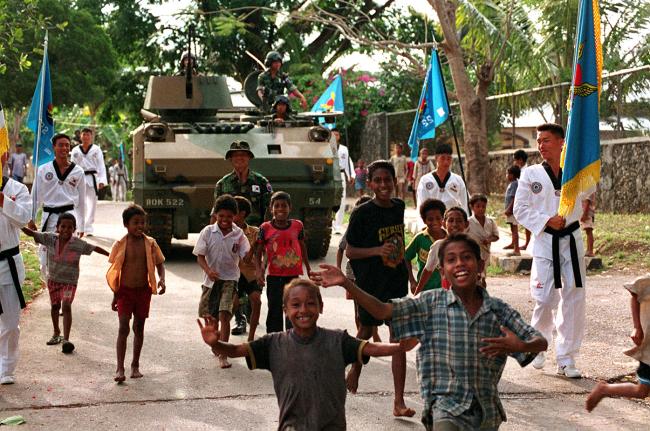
40,125
451,117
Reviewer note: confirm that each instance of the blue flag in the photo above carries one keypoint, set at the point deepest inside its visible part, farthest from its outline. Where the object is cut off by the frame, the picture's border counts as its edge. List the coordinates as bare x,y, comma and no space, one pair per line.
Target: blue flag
41,112
433,107
331,100
581,154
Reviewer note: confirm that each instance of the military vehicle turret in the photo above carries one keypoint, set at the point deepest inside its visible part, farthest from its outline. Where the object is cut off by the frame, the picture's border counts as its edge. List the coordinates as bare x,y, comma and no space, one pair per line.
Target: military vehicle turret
178,156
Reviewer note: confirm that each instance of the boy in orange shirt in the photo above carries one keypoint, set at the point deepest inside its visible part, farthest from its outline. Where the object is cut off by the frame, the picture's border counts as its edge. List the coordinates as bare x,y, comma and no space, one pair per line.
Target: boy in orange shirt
133,280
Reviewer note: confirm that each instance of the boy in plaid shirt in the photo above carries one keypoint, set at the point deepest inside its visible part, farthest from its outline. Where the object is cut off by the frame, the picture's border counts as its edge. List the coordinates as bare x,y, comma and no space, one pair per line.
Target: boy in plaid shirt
465,336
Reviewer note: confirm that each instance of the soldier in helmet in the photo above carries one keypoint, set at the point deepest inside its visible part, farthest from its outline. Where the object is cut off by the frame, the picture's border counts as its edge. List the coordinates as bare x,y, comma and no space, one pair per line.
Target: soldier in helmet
272,82
244,182
185,58
251,185
281,111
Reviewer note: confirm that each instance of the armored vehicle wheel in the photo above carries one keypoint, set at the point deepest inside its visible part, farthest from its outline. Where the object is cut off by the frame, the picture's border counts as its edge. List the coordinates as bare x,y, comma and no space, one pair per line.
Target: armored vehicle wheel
318,230
160,228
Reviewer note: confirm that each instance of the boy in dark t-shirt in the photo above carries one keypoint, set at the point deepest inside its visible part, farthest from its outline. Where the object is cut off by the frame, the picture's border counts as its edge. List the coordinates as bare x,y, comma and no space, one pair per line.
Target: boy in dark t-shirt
307,362
375,248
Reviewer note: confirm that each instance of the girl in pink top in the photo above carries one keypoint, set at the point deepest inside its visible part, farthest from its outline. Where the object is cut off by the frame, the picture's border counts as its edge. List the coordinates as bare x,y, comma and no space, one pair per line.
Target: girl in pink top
283,241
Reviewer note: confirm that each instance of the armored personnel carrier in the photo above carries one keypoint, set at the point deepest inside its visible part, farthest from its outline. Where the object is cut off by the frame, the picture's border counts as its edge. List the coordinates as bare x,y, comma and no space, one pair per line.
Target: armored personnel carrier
178,156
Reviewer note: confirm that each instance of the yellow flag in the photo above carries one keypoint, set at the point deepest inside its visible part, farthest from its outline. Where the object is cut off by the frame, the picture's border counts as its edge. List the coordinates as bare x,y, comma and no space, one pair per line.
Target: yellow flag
4,136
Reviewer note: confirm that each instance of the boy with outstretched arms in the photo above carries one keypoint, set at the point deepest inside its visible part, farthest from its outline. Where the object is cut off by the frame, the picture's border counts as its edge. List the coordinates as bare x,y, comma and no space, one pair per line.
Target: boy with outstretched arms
465,337
375,248
307,362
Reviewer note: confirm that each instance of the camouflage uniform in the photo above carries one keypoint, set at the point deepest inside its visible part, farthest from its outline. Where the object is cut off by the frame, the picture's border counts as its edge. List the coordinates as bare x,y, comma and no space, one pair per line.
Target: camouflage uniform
256,189
274,87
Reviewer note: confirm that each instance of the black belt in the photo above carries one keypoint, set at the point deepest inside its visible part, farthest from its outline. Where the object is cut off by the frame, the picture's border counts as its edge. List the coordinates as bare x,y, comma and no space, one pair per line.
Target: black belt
55,210
575,260
92,172
8,255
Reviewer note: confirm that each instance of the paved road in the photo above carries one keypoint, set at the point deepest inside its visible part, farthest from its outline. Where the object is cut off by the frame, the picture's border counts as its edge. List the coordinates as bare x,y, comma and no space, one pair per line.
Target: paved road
184,388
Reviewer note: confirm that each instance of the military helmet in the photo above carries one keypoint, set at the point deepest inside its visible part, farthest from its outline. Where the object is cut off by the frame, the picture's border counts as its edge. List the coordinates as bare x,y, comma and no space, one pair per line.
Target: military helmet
239,146
272,56
282,99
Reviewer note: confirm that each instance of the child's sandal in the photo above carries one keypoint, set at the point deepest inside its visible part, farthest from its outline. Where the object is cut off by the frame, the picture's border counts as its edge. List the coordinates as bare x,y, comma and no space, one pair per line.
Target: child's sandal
56,339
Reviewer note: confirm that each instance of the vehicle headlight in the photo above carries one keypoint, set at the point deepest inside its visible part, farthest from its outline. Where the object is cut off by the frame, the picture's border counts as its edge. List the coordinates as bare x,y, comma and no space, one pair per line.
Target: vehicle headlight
319,134
155,132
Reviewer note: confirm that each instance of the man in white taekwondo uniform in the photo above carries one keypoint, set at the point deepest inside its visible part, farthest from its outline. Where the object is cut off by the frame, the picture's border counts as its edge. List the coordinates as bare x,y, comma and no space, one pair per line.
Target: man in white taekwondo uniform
442,184
347,175
90,158
558,253
60,188
15,212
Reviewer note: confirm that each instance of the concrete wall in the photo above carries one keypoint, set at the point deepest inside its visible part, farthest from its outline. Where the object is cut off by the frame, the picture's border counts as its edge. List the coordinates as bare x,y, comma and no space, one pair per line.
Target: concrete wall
625,174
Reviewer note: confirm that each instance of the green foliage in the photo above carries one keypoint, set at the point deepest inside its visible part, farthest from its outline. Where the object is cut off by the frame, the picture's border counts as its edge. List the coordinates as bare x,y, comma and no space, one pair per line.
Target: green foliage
82,60
32,284
17,17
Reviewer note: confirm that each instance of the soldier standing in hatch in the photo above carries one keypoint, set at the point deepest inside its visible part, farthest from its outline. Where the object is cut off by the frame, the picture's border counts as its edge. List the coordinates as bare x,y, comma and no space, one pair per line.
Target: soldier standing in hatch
272,82
253,186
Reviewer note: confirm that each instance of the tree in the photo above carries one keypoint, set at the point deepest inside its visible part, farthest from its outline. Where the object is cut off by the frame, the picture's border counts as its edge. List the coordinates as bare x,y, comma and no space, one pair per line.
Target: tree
477,37
82,60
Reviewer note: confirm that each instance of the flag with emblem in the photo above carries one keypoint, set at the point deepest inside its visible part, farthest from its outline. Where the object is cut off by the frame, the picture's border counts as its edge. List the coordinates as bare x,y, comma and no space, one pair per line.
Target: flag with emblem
433,107
581,154
40,119
4,133
331,100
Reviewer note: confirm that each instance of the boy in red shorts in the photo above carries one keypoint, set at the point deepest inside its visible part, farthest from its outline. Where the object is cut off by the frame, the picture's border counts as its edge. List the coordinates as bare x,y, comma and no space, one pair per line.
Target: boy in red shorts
132,278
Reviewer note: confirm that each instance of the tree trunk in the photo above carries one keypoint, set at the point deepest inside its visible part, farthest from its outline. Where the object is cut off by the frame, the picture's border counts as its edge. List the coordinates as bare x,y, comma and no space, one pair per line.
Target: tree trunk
472,101
14,133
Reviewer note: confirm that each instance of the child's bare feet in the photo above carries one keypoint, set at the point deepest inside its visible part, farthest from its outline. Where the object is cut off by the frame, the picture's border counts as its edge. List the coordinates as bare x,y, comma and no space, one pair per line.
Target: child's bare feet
595,396
119,375
352,380
402,411
509,246
135,373
223,362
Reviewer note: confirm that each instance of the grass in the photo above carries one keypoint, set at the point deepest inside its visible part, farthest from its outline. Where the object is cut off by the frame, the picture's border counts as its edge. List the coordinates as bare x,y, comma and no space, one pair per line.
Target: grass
495,271
621,240
32,285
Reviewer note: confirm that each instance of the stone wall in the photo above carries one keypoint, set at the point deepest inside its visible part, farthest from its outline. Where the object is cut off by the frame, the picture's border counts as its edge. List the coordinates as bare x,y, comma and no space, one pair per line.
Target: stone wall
625,174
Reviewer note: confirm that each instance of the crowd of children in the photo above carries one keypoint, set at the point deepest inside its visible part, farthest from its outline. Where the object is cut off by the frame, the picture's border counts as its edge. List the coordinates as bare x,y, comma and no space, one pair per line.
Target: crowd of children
465,335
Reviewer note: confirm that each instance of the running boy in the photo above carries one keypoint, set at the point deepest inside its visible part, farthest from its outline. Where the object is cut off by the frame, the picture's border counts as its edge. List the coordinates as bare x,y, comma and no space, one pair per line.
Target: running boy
218,250
134,260
483,229
513,182
640,291
63,253
248,280
283,241
455,222
307,362
350,274
432,212
465,338
375,248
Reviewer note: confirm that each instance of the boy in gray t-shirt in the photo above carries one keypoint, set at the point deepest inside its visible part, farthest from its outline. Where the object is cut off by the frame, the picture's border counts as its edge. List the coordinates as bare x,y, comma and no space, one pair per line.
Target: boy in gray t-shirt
307,362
